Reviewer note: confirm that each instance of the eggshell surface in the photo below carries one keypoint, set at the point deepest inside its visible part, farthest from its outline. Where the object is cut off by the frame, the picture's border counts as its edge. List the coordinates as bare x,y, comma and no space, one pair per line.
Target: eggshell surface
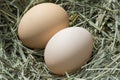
40,23
68,50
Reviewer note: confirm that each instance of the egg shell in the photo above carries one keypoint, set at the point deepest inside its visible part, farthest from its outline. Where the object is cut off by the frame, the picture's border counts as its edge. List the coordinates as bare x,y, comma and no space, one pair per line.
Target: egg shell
40,23
68,50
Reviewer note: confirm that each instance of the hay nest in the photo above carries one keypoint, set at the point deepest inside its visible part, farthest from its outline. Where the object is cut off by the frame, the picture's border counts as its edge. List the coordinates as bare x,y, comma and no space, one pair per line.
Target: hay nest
100,17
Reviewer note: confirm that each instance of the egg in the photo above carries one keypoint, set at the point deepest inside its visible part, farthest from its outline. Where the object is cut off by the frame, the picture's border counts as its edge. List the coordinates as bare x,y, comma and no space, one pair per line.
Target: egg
40,23
68,50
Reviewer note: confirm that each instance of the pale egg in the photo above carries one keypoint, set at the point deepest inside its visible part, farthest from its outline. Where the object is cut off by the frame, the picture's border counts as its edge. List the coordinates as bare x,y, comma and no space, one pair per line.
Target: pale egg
68,50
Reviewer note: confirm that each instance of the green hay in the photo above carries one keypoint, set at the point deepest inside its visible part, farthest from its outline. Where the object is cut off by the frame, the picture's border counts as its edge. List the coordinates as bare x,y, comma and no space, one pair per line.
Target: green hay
100,17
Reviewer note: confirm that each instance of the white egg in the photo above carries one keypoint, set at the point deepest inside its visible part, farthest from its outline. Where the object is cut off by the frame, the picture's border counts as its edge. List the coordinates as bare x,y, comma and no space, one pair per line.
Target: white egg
68,50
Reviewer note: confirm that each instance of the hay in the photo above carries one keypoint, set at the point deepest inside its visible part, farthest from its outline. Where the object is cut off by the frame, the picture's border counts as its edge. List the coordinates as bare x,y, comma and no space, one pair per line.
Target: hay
101,18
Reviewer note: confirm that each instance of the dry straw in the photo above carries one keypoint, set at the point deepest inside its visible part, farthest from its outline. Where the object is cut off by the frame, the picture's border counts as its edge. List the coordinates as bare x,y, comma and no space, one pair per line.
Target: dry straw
100,17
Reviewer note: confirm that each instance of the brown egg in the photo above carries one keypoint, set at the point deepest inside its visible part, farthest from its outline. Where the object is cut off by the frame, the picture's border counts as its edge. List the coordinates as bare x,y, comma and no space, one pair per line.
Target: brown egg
40,23
68,50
